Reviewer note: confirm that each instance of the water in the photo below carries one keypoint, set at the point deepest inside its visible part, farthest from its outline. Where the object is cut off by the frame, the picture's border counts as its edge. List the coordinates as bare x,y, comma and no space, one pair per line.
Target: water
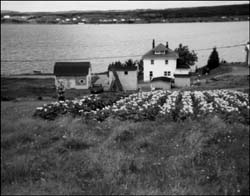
43,45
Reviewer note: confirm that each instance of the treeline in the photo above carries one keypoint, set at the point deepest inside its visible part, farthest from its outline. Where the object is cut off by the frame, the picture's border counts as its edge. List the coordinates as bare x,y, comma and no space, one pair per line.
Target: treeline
149,15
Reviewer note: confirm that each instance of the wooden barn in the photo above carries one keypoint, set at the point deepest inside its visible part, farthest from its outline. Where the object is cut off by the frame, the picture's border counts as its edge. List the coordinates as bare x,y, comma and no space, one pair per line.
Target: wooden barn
73,75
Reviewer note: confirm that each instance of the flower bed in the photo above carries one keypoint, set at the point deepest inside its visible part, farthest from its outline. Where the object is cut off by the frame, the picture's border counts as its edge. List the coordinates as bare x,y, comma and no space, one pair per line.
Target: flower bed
151,105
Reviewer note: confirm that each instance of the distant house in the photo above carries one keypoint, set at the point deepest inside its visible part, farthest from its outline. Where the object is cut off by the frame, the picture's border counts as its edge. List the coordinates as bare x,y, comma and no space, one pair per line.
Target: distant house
73,75
124,77
164,83
159,61
6,17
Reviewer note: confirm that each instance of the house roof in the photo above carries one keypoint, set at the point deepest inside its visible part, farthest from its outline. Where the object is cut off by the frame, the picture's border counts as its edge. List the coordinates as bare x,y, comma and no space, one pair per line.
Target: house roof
182,66
182,75
164,79
71,68
123,68
160,48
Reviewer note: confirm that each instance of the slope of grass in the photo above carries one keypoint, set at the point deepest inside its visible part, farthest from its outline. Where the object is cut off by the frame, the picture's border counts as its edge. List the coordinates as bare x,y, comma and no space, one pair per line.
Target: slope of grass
70,156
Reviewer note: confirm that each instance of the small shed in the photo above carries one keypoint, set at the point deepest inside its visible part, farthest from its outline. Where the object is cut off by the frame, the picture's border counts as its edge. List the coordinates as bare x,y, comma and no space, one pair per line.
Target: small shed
182,80
73,75
161,83
126,76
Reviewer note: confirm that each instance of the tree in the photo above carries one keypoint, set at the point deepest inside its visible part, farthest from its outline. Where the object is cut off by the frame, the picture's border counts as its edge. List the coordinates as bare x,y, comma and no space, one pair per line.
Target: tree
185,56
130,63
140,69
213,60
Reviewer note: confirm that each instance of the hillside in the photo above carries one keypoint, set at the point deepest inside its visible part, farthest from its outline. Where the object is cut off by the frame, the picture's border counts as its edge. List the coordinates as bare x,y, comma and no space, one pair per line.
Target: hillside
195,14
201,153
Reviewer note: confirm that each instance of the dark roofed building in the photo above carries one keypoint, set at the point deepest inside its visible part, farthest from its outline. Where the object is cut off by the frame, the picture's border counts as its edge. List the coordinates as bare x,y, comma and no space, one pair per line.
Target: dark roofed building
71,68
160,51
75,75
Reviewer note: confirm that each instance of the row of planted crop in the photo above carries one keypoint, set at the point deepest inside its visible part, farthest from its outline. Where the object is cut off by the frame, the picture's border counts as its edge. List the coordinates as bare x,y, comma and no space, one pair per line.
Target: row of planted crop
150,105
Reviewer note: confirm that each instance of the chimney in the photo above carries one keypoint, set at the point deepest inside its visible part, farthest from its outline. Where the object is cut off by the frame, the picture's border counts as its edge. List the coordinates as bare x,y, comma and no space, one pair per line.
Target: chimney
166,44
153,44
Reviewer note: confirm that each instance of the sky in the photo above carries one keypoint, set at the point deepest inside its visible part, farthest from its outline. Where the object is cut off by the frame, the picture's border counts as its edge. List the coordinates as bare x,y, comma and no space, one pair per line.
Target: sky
38,6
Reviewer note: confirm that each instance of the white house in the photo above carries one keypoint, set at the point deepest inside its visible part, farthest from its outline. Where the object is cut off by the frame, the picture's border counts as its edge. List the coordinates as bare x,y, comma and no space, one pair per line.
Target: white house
159,61
162,63
73,75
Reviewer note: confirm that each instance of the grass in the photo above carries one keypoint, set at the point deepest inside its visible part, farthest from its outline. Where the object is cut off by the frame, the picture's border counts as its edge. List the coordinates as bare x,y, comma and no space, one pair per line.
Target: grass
70,156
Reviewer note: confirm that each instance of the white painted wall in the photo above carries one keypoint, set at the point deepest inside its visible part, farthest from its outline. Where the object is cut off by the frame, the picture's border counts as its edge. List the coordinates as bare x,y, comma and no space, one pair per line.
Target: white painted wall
161,84
70,82
158,68
182,71
129,81
182,82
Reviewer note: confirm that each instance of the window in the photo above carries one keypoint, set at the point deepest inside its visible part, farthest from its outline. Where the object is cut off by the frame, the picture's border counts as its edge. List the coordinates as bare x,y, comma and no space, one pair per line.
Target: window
152,62
169,73
125,72
166,62
150,75
81,81
160,52
165,73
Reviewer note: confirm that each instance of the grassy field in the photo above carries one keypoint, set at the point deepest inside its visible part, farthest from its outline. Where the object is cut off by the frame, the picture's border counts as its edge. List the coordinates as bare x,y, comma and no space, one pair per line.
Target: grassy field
32,88
207,156
70,156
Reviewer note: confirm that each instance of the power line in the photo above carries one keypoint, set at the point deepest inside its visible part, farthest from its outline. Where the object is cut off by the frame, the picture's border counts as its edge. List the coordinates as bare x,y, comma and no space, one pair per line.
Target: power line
221,47
90,58
105,57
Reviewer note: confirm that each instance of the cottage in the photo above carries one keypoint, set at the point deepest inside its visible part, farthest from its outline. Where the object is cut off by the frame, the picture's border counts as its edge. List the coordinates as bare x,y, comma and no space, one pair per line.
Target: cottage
73,75
124,76
159,61
163,83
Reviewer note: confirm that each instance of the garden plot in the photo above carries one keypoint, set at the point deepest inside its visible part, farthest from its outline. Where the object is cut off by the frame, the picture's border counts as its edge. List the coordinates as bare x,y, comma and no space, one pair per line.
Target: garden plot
151,105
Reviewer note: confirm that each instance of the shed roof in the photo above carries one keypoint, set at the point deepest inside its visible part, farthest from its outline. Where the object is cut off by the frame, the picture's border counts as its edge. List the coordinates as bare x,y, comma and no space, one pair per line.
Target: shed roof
182,66
122,68
182,75
71,68
160,48
162,78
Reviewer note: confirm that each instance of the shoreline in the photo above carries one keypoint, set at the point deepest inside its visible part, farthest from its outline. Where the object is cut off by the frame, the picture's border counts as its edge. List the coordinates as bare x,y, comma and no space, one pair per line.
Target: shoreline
42,87
142,23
